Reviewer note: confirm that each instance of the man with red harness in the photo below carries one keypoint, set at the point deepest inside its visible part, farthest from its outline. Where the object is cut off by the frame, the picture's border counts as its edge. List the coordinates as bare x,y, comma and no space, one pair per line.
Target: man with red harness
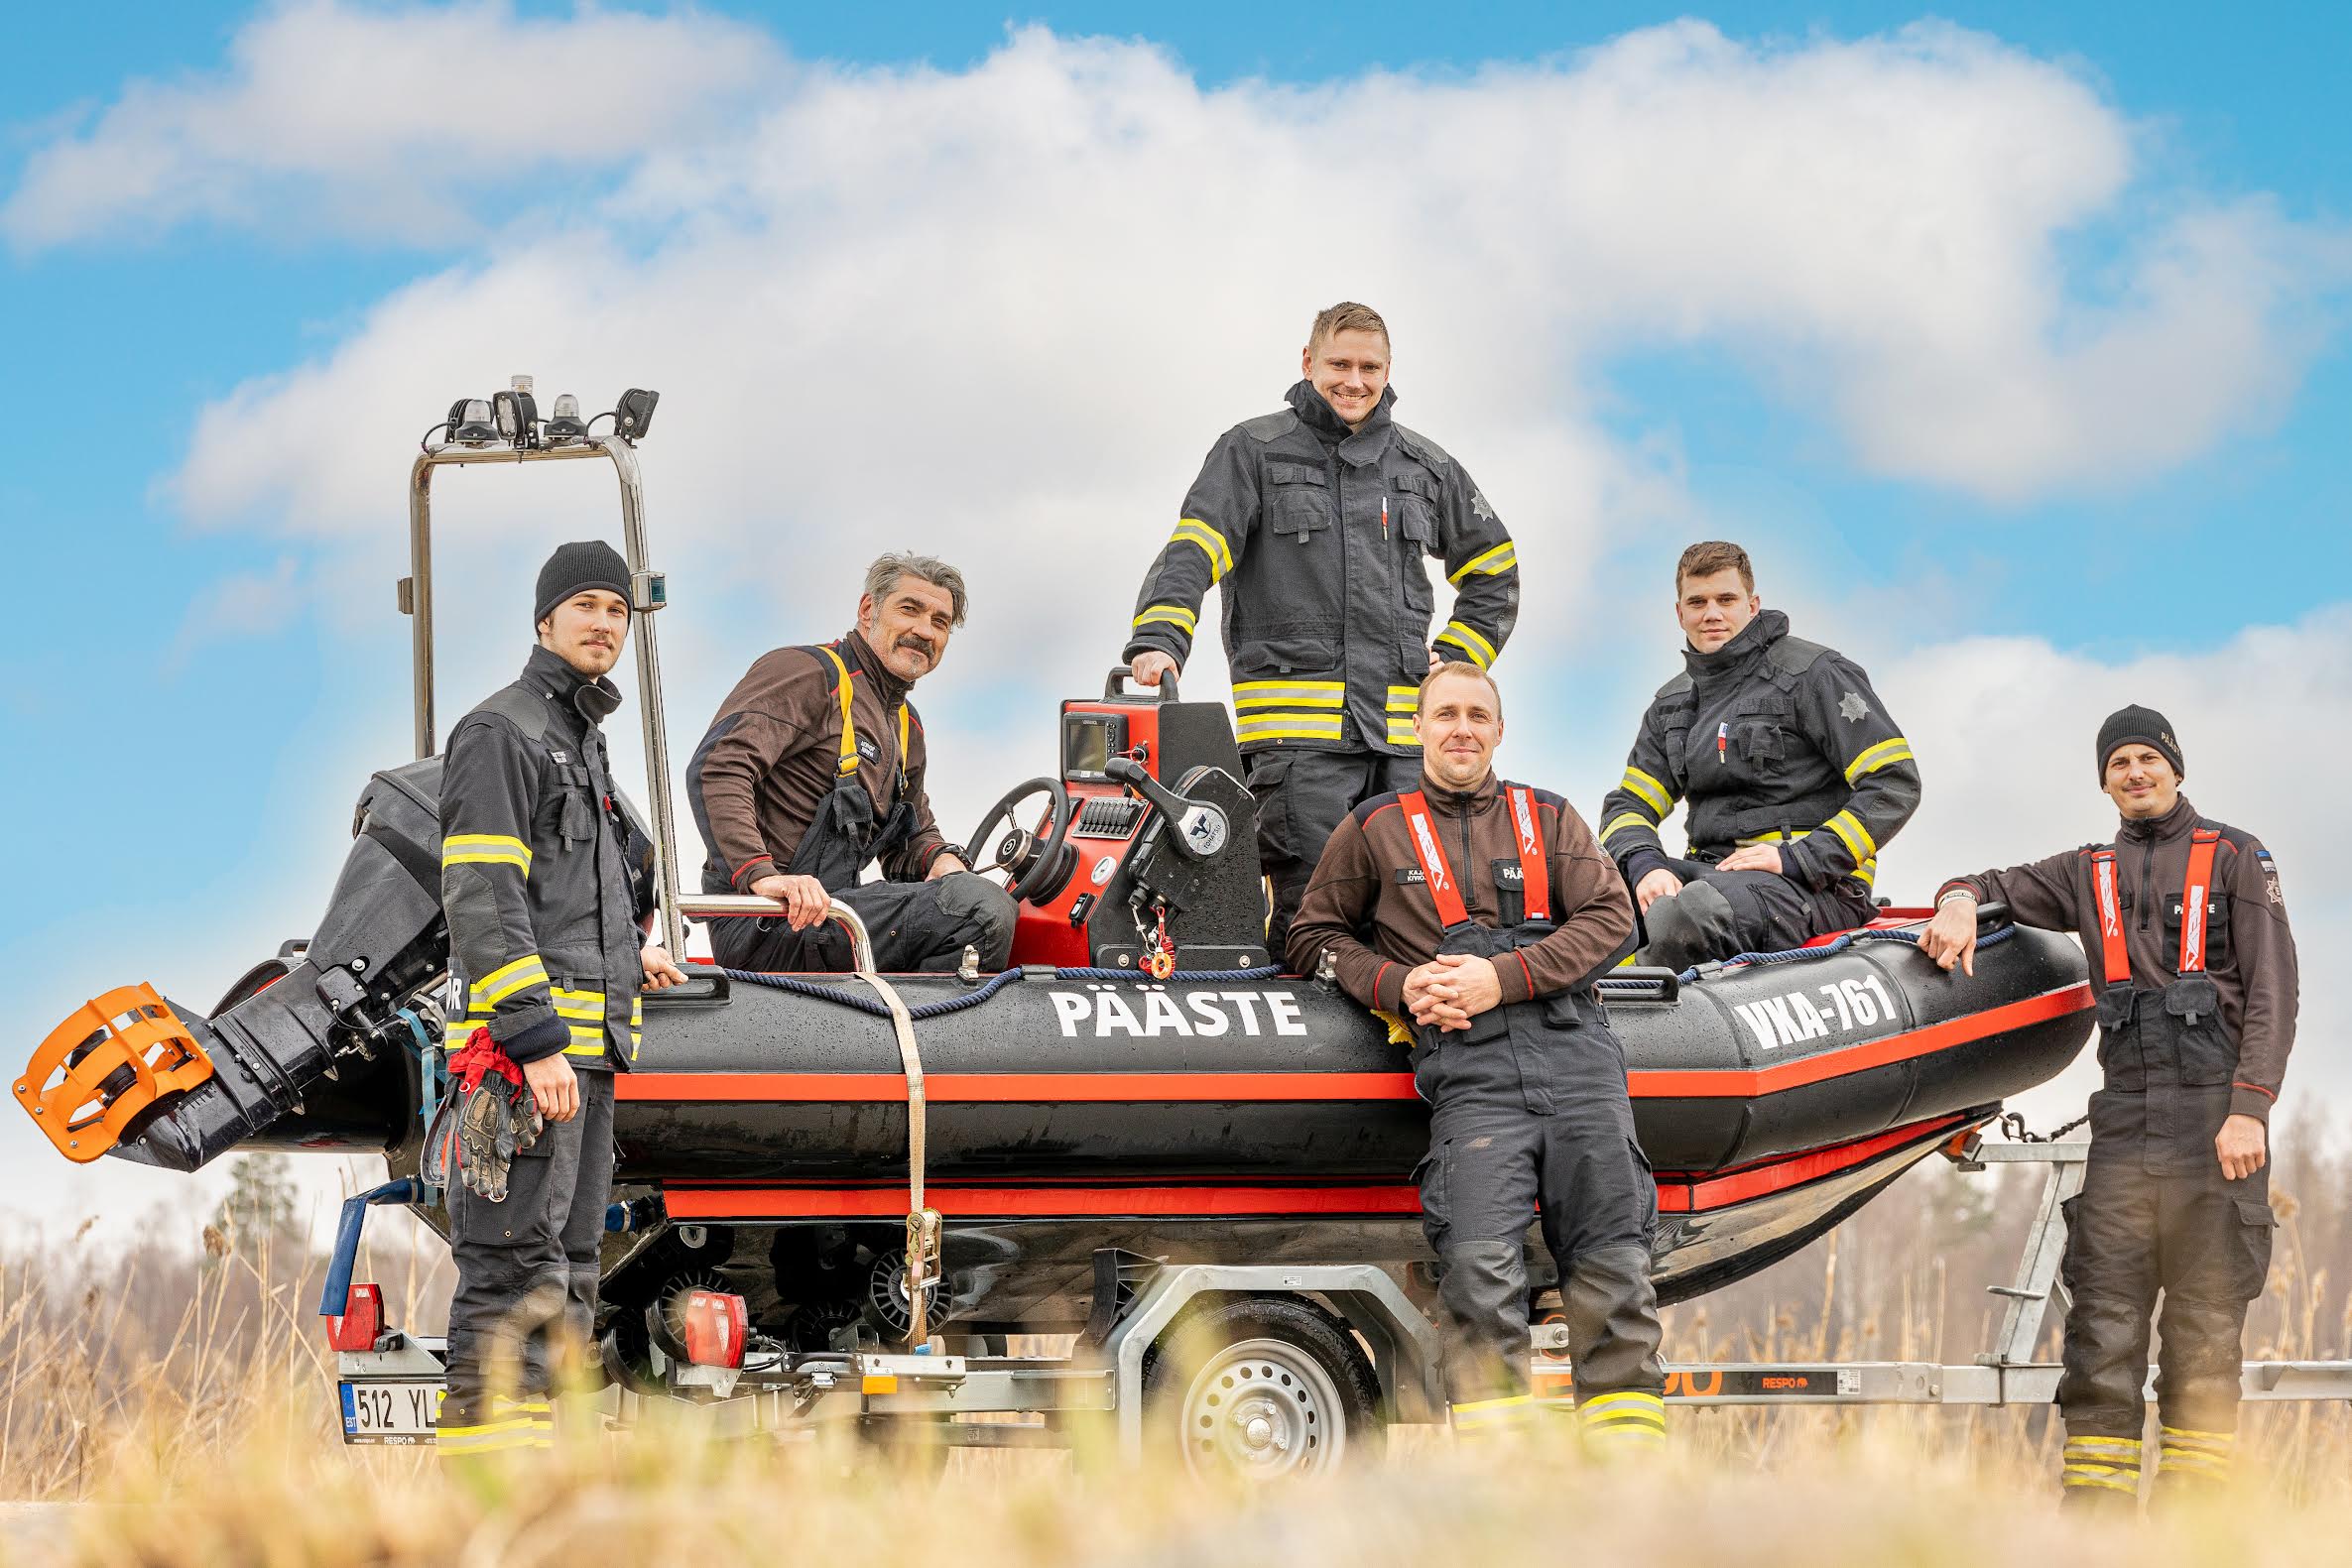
2197,996
1484,911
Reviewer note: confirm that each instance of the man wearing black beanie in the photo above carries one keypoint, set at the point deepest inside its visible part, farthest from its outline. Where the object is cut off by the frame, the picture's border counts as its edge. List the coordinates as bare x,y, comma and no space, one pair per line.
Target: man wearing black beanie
547,886
2195,974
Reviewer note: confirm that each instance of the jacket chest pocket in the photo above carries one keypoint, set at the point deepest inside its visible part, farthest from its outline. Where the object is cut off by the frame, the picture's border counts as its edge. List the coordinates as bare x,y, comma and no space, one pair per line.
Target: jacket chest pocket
1414,504
2217,953
1299,502
1759,739
570,810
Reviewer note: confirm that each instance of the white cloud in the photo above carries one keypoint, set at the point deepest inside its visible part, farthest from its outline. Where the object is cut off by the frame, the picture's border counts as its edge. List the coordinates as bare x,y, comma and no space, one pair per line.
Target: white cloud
240,605
382,122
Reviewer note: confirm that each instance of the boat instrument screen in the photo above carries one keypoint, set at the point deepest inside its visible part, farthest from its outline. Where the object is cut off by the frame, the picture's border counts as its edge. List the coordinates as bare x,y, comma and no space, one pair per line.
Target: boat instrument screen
1088,743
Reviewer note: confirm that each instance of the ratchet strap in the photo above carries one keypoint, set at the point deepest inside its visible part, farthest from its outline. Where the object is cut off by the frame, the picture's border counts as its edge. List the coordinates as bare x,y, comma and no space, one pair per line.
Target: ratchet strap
922,1222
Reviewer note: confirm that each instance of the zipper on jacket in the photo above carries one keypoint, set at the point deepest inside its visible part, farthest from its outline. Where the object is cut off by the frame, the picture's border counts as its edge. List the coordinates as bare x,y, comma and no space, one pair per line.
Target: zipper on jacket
1339,522
1469,864
2147,880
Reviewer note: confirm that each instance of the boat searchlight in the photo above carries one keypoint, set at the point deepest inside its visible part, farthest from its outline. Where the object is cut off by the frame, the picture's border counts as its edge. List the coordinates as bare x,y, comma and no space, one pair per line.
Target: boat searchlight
511,420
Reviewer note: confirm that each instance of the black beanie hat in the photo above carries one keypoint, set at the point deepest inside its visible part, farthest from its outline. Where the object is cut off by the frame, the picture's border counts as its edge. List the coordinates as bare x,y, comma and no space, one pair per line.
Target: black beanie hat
2145,725
586,563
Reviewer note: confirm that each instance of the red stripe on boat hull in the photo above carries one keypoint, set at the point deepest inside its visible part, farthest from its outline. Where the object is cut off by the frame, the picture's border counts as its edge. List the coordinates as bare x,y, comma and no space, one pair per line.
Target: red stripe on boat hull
1155,1088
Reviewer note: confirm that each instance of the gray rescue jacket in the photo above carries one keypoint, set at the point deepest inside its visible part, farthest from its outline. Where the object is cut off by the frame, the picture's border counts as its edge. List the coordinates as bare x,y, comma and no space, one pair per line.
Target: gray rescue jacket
543,875
1319,536
1773,740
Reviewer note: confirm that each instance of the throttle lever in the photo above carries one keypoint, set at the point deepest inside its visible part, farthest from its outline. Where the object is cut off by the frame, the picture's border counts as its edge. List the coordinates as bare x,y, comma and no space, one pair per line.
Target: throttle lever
1201,830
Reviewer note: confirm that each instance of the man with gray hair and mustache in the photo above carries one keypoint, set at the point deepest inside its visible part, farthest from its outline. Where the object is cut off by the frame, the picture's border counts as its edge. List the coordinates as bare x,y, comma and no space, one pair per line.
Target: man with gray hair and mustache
815,769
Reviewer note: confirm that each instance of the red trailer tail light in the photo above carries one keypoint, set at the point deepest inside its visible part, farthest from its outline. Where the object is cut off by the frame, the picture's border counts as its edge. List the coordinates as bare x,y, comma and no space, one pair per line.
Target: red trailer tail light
716,1325
362,1322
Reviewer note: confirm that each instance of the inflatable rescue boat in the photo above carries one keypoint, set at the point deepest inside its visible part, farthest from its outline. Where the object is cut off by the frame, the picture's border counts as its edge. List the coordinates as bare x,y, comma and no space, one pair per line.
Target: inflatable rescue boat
1142,1080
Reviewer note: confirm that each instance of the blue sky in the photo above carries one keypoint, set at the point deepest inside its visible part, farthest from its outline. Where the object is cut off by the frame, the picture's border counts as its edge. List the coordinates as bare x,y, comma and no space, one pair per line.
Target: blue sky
186,764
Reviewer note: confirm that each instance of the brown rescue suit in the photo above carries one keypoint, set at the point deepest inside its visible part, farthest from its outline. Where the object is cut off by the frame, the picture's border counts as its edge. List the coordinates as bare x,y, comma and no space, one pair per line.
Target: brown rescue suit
1528,1109
2156,1215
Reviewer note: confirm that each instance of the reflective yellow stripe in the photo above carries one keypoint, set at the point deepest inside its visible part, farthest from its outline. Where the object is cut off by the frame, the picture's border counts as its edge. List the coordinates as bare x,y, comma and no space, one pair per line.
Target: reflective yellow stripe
1872,757
1481,652
1174,614
1404,699
848,762
2192,1461
504,981
1623,820
1289,693
1660,800
1849,827
2106,1480
2182,1434
1191,531
1288,726
1401,733
486,849
1492,563
2128,1447
1628,1406
901,737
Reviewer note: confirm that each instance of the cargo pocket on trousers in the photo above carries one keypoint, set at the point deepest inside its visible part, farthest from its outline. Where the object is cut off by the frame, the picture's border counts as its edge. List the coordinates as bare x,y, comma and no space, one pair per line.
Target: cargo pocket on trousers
1429,1177
1268,772
2068,1275
2256,1224
520,1219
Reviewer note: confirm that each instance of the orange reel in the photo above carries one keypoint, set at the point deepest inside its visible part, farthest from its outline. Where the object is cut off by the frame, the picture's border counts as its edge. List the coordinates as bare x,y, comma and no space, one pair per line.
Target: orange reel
82,1102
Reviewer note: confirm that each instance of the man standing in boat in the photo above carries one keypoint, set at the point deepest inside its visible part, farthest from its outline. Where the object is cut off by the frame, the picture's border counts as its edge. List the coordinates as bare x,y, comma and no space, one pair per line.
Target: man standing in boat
815,769
1484,910
1796,773
546,888
2186,926
1319,520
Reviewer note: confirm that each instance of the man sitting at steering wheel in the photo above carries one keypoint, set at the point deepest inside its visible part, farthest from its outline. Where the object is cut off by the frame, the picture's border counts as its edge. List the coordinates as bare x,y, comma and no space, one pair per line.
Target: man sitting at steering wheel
815,769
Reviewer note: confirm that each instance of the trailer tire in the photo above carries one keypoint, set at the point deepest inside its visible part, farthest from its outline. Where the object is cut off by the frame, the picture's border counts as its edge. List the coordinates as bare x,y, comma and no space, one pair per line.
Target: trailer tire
1263,1388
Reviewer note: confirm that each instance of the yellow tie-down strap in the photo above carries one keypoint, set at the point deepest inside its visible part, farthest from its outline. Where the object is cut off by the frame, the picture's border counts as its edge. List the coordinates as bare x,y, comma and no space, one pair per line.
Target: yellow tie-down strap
113,1057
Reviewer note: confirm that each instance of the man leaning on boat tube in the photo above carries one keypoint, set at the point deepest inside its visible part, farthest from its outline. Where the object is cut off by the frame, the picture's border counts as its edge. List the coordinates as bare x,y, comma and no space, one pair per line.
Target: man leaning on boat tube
2185,929
1796,773
1319,520
544,889
1484,910
813,769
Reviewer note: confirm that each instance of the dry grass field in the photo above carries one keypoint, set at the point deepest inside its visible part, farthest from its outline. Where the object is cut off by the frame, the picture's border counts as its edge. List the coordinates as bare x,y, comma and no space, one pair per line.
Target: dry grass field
179,1393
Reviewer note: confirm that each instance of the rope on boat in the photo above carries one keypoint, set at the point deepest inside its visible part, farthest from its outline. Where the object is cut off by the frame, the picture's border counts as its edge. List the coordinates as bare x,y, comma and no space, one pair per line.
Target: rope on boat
865,1004
1262,972
1801,955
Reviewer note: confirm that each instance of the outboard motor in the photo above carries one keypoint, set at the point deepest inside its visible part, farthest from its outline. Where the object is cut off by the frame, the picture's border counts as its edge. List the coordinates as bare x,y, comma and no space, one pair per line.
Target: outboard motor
131,1074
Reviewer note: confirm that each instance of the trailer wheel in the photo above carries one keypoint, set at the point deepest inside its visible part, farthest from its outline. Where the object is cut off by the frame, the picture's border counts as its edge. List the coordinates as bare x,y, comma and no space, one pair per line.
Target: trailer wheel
1266,1387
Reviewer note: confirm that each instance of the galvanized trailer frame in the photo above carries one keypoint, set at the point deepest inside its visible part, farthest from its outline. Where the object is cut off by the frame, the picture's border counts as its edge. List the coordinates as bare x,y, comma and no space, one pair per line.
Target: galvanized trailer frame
1101,1385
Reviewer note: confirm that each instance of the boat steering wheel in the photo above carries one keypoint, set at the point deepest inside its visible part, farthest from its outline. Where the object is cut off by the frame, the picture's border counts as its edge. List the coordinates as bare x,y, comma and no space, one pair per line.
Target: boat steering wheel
1036,866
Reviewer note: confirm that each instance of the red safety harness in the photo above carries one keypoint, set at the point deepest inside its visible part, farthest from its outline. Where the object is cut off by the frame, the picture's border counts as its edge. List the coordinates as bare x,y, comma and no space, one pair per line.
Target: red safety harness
1534,866
2195,896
